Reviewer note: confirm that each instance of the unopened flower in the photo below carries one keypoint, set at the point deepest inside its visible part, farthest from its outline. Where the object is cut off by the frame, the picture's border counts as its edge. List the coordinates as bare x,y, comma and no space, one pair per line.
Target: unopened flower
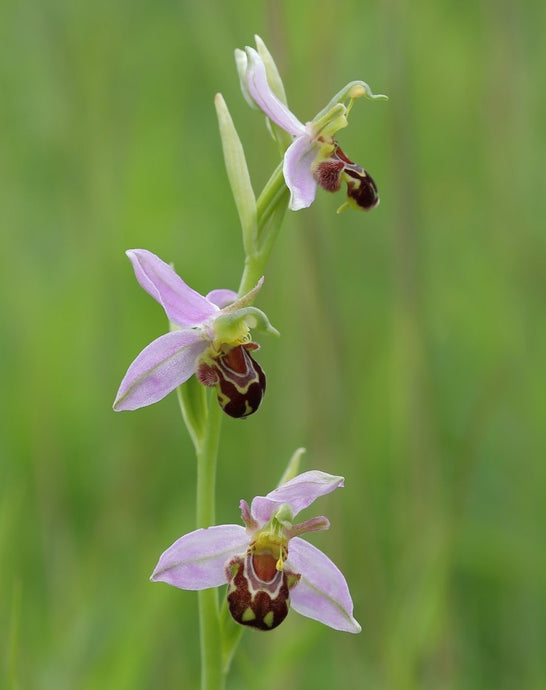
314,156
210,338
266,565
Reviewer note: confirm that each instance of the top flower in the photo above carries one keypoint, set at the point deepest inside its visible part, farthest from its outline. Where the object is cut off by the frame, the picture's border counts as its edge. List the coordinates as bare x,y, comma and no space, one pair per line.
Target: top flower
266,564
314,157
210,338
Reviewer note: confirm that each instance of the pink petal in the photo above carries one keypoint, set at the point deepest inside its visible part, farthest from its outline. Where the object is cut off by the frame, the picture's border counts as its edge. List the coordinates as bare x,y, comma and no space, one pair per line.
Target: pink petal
299,493
322,592
197,560
183,306
221,298
261,92
162,366
297,170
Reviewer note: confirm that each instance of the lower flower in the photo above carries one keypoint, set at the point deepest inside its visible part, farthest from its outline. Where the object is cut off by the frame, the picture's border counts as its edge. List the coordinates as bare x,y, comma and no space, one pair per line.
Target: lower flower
267,566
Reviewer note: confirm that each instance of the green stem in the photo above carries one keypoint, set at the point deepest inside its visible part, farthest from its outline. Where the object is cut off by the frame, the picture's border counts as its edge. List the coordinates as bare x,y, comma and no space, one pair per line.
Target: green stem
231,633
207,454
269,198
192,398
203,416
271,207
212,677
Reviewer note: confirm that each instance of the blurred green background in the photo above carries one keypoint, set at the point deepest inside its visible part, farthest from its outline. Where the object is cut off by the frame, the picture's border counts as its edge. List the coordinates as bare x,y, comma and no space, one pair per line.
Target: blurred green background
412,351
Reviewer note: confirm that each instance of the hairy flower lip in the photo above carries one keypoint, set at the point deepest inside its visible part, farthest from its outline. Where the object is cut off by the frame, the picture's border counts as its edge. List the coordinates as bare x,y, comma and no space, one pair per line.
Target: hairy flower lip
318,589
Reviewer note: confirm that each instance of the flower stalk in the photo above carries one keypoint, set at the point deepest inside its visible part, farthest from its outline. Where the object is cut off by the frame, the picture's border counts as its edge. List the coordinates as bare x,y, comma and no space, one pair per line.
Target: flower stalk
212,674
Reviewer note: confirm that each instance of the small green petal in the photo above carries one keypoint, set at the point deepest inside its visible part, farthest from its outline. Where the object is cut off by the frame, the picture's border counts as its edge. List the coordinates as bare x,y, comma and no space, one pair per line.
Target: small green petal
331,122
229,326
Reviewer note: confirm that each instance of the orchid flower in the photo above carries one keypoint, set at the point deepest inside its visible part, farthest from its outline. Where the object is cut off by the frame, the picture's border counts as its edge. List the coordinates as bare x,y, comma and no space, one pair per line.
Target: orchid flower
314,156
210,337
266,564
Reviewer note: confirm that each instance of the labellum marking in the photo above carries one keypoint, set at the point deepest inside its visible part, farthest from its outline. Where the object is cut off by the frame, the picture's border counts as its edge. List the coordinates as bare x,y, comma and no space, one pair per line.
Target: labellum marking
255,602
361,188
242,382
364,191
239,378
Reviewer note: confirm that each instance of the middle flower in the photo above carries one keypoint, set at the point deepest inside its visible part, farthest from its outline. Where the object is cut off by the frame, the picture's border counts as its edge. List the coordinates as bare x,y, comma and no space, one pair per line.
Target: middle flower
210,337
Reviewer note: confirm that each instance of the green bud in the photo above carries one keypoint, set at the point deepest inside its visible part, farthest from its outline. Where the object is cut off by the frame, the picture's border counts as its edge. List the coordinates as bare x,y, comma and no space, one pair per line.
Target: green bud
293,467
238,175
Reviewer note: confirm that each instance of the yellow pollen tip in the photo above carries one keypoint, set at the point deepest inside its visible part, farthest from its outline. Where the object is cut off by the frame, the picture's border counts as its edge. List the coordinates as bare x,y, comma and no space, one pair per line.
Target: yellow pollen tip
357,91
282,557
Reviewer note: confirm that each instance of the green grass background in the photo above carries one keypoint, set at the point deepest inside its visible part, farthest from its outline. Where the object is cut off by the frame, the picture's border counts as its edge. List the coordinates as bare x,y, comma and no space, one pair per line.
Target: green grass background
412,351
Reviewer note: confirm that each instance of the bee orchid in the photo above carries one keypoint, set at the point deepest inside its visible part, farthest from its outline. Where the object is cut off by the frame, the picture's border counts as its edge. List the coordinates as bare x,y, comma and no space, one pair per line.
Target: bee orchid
267,566
314,157
210,338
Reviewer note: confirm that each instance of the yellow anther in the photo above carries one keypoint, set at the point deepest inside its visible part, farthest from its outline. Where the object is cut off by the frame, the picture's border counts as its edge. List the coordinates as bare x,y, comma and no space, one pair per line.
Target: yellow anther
357,91
282,557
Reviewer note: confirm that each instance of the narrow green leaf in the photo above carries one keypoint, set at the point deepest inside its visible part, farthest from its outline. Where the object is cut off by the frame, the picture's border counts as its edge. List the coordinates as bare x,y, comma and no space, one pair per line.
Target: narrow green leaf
239,178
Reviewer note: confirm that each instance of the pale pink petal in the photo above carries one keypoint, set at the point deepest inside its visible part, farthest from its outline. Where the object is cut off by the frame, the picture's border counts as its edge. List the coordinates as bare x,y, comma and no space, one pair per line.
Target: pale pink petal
197,560
221,298
261,92
316,524
248,519
299,493
183,306
322,592
162,366
297,170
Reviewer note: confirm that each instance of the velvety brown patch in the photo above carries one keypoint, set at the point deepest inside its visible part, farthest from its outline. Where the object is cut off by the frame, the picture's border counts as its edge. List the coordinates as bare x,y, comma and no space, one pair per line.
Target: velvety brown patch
328,175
